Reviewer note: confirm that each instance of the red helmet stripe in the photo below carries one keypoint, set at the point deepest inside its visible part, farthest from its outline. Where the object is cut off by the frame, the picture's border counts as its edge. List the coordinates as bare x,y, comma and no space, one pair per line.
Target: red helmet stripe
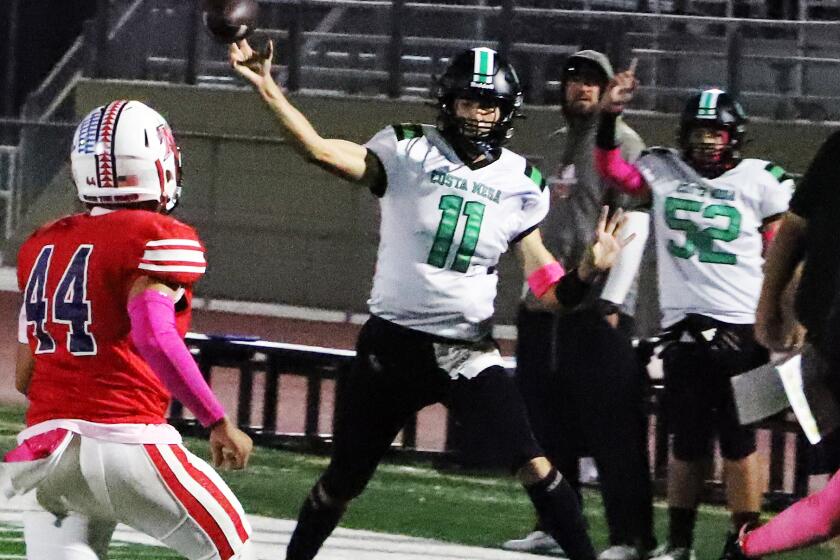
106,163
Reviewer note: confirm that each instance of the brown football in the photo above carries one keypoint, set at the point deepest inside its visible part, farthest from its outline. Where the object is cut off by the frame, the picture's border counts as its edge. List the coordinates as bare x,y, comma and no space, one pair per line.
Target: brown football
229,21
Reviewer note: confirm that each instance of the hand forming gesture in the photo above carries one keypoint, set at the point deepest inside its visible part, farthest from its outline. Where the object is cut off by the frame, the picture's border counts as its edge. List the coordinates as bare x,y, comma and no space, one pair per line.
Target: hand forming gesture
253,65
620,89
608,244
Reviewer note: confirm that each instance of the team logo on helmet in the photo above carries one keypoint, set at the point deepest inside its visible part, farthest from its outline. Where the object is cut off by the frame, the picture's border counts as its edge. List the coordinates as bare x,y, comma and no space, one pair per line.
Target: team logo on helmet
484,68
167,139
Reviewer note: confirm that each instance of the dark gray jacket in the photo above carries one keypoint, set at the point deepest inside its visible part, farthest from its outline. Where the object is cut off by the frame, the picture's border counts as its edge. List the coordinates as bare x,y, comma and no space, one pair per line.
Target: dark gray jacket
577,191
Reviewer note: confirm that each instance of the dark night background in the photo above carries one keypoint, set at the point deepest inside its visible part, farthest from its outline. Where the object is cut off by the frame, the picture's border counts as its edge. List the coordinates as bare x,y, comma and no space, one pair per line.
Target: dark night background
46,29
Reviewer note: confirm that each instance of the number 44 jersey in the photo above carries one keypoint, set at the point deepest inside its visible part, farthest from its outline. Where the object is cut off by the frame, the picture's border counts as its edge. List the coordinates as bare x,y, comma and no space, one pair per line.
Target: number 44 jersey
709,247
75,275
444,226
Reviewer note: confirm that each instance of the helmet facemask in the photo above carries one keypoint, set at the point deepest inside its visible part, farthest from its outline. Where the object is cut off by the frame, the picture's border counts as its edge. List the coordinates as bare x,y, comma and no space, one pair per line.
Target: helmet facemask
712,129
478,137
709,149
478,75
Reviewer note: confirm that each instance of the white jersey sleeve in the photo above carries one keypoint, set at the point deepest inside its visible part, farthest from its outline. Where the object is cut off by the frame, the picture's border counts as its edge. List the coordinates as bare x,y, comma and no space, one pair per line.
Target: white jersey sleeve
777,190
535,204
386,145
22,325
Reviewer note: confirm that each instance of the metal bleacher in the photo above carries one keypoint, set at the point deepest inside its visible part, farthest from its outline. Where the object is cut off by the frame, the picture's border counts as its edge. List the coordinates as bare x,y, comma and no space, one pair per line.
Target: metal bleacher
782,69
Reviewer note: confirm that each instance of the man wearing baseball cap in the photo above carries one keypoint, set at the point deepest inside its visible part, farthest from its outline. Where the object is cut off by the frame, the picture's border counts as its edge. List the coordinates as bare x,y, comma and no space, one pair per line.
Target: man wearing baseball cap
577,371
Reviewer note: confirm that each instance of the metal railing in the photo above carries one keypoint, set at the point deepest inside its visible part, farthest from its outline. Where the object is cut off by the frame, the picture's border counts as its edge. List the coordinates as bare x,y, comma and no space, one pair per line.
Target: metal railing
274,361
9,191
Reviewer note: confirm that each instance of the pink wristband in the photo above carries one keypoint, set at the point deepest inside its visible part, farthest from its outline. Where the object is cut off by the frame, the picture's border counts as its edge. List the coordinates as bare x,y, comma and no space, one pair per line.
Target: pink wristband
541,280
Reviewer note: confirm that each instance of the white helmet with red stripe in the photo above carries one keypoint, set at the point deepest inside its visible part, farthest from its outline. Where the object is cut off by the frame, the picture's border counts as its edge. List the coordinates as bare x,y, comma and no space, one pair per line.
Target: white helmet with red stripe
123,153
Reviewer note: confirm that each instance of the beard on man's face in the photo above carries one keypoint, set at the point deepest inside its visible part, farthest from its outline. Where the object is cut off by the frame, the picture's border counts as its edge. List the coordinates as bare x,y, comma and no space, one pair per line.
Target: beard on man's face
582,105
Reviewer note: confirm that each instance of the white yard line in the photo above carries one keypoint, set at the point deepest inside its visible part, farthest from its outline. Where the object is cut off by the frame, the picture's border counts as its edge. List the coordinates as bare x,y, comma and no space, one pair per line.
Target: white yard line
272,535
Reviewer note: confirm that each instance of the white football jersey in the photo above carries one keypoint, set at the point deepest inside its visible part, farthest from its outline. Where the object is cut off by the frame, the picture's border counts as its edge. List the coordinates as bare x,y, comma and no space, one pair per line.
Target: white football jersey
708,243
444,227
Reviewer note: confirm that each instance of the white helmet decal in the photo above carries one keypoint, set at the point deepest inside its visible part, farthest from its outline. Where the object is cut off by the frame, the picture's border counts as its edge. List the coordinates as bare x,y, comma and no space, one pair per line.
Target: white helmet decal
124,152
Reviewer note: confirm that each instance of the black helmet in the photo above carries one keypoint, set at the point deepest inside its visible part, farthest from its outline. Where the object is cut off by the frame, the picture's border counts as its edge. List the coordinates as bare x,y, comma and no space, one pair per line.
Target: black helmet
713,108
480,74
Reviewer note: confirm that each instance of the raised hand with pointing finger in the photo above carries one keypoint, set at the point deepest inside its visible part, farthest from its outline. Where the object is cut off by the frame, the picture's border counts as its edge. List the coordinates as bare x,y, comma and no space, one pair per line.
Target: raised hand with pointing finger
620,89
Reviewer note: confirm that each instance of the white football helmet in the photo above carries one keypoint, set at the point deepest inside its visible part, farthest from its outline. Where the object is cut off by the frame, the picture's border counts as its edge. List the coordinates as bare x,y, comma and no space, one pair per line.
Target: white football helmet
124,152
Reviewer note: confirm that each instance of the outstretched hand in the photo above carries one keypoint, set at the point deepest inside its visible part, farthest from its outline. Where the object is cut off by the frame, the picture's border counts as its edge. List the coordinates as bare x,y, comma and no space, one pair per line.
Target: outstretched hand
608,243
253,65
620,90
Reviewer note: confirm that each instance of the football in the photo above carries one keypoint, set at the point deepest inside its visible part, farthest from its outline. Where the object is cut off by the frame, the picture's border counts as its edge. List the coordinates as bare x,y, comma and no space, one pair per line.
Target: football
229,21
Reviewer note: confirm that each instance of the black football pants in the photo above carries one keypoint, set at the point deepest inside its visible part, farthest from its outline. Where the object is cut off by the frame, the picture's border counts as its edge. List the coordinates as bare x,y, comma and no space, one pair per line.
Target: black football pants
584,392
394,375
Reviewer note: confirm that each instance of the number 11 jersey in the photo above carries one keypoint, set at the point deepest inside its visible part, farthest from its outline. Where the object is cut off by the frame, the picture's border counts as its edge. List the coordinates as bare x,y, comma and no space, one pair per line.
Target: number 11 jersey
75,275
709,247
443,229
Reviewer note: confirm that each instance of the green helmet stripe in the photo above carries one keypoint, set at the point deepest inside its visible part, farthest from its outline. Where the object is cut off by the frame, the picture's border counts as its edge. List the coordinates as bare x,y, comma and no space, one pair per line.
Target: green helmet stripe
707,108
483,65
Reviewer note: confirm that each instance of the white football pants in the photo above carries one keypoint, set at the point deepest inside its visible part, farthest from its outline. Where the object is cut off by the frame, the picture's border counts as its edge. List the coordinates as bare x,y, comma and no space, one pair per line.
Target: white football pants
161,490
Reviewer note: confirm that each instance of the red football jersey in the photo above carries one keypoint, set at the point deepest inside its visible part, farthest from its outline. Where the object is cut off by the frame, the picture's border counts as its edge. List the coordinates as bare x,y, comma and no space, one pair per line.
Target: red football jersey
75,275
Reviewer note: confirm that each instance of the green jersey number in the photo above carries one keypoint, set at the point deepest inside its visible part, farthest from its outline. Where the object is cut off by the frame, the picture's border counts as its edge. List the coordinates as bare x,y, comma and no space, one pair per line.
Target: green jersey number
702,241
450,205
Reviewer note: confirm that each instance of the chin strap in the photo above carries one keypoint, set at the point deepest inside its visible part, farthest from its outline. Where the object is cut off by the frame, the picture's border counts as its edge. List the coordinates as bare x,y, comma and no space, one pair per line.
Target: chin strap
469,150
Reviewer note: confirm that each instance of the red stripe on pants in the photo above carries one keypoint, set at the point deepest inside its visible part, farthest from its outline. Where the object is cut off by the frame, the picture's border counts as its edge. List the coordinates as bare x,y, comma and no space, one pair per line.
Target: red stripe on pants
195,509
211,487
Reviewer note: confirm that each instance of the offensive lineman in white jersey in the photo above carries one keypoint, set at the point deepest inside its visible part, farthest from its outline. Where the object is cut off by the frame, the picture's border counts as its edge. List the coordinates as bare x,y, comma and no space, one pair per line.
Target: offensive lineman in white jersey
452,201
713,215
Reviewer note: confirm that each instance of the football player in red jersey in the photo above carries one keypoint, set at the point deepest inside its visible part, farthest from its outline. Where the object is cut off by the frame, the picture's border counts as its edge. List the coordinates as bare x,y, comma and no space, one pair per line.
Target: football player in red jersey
107,298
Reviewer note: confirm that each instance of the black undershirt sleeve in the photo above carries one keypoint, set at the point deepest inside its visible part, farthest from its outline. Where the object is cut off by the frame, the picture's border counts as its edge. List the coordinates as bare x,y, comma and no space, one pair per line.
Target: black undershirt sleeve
375,177
571,290
605,135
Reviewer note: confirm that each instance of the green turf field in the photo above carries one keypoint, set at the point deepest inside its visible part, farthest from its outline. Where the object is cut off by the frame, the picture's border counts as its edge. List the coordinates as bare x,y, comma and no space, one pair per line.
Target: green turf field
411,499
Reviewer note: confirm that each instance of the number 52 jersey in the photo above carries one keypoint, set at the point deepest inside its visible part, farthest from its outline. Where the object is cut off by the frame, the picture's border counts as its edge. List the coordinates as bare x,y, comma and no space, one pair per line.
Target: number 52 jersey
75,275
709,247
443,228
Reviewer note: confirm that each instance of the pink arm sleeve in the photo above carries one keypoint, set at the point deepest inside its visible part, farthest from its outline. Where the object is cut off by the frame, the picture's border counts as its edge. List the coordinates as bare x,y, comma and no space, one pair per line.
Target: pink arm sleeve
812,520
157,340
614,168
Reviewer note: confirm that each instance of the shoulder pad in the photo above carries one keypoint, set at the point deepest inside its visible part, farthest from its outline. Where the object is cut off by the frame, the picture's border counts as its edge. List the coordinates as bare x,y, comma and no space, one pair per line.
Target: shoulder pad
535,175
407,131
172,251
777,172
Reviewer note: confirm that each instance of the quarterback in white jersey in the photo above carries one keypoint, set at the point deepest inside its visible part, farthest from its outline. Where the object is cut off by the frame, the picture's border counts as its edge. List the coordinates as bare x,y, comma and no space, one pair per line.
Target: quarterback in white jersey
439,276
452,201
712,210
